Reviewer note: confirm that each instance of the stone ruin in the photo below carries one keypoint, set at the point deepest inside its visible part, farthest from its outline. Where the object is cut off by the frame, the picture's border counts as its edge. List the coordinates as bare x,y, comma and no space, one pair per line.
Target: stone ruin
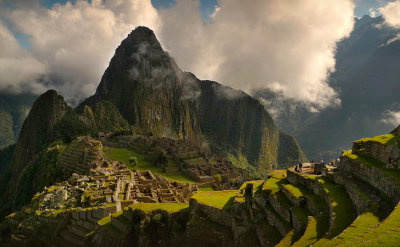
387,154
81,155
117,185
196,163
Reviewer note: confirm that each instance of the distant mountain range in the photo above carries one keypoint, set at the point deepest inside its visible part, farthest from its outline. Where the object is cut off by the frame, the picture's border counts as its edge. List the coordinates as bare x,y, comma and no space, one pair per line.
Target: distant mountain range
367,77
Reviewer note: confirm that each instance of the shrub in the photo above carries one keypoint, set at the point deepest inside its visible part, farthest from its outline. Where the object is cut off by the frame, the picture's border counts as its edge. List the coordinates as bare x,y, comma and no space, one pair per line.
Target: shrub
133,161
218,179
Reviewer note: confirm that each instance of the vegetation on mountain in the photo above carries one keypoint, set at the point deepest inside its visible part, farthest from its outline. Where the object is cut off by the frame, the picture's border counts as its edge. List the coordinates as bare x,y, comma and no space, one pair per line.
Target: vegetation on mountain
13,111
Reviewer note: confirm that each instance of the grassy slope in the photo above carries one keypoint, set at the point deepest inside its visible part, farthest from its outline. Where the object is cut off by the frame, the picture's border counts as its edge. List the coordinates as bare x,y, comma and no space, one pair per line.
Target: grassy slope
169,207
123,155
310,235
220,199
342,208
387,139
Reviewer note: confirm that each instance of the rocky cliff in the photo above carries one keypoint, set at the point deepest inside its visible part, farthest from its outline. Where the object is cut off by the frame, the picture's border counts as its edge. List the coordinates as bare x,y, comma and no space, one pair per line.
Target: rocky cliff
155,95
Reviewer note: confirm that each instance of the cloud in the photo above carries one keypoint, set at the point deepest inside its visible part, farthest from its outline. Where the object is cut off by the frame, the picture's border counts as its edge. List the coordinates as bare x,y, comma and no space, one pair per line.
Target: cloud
390,41
19,70
373,12
391,13
391,117
75,42
283,45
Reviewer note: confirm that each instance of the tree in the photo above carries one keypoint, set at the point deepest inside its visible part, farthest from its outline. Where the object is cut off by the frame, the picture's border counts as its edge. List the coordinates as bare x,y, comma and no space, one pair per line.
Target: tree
133,161
218,179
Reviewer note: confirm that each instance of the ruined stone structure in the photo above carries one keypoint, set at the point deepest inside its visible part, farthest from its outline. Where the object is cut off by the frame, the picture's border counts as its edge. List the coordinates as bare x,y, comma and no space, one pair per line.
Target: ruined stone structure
198,164
81,155
388,153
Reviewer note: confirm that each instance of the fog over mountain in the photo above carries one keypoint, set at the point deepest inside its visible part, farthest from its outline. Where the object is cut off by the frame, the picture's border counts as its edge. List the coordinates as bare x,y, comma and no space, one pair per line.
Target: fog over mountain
366,76
243,45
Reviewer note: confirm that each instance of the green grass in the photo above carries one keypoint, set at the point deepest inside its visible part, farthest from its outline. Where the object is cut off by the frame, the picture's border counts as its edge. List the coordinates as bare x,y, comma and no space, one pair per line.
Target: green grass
209,188
239,162
310,234
387,139
343,210
256,184
355,232
385,234
374,163
220,199
287,240
275,182
123,155
169,207
294,190
104,221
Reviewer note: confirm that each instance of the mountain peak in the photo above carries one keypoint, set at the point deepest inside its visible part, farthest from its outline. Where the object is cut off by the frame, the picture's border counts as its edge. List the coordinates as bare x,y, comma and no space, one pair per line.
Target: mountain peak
46,112
141,30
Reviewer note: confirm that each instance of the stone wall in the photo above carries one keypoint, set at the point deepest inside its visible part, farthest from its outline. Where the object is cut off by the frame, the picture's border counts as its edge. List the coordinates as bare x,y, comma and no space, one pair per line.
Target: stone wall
359,199
373,176
216,215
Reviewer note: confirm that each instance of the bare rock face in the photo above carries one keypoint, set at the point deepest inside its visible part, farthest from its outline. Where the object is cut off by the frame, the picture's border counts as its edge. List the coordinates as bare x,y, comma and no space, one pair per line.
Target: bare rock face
155,95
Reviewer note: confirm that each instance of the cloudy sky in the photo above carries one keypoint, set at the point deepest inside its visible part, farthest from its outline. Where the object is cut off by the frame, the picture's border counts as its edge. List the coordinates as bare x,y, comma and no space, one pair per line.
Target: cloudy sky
283,45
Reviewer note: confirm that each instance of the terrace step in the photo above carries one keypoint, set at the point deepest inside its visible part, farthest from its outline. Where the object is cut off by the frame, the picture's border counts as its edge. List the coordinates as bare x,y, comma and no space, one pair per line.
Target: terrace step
341,209
286,240
267,235
72,239
310,235
362,194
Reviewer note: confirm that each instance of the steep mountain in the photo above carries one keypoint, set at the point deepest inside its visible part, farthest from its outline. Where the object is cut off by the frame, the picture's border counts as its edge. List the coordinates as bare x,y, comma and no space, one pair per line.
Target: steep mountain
13,111
154,95
144,90
31,164
366,77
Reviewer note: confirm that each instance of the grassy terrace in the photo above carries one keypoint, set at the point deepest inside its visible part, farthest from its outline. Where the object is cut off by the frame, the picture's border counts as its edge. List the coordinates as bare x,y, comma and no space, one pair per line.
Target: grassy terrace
275,182
123,155
374,163
220,199
257,189
387,139
310,234
169,207
385,234
356,231
286,240
343,210
209,188
296,191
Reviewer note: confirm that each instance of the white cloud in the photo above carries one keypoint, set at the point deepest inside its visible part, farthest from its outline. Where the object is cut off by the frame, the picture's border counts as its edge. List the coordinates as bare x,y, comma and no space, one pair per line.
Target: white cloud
76,41
391,13
394,39
280,44
19,70
373,12
391,117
